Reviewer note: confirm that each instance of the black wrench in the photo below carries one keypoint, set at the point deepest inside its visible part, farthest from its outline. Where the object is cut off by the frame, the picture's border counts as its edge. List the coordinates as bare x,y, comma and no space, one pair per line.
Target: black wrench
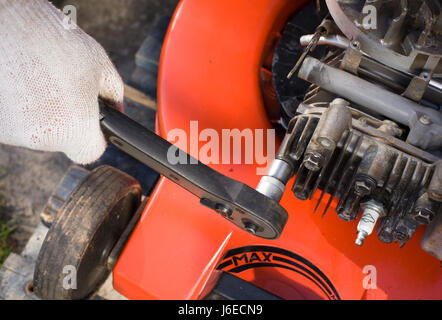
235,201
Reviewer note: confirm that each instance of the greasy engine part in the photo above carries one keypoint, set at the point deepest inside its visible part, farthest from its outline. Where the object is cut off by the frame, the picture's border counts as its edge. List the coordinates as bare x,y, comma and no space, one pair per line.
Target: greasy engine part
357,159
406,35
425,123
369,131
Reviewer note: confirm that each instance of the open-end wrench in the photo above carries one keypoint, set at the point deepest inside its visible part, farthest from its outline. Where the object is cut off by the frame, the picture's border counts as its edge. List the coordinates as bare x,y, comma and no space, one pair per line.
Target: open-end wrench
235,201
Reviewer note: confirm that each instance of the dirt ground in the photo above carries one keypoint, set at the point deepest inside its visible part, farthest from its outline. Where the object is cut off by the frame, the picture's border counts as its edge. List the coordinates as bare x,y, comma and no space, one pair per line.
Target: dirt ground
28,178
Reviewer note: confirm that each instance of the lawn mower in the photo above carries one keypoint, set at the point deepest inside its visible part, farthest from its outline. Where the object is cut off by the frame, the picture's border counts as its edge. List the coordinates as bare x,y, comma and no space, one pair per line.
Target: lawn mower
349,93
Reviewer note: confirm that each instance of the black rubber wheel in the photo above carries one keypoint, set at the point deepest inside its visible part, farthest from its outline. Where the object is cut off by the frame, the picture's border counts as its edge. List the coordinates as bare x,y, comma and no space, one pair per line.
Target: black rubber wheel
83,235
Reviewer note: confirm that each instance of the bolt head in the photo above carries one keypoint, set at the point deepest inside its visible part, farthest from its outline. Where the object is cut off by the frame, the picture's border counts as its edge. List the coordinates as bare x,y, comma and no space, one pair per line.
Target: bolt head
223,210
356,45
363,188
425,120
312,162
425,75
423,216
251,227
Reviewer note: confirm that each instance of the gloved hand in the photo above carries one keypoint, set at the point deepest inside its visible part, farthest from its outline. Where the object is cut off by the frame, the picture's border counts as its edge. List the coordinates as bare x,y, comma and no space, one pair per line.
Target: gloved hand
50,79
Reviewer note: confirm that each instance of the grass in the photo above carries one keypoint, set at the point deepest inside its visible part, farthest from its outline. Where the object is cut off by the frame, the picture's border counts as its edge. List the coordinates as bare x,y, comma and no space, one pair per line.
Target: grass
5,230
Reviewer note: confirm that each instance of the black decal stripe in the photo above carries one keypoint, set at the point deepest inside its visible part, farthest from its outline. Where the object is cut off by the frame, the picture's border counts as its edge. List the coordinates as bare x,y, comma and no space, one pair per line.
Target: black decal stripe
280,259
290,254
224,264
260,265
318,282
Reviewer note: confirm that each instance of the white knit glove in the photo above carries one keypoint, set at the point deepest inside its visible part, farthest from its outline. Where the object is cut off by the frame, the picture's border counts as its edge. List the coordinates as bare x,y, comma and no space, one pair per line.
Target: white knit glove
50,80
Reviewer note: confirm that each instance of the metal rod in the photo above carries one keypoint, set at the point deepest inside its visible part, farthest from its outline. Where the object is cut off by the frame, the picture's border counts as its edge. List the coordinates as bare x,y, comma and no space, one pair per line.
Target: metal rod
362,92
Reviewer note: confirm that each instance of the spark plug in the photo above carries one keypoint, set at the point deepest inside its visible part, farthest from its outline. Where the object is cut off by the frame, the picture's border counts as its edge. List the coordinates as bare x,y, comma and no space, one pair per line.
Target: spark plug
373,210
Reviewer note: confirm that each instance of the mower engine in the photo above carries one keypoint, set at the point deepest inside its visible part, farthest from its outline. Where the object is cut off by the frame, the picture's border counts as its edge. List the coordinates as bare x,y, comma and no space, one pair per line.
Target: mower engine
368,129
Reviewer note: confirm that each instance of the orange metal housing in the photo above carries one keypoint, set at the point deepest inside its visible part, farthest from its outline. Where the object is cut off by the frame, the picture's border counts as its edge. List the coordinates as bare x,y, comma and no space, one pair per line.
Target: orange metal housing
209,73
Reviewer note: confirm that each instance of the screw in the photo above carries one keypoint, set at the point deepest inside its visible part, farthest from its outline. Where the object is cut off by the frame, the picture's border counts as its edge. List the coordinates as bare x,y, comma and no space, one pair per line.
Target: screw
425,120
356,45
425,75
223,210
251,227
